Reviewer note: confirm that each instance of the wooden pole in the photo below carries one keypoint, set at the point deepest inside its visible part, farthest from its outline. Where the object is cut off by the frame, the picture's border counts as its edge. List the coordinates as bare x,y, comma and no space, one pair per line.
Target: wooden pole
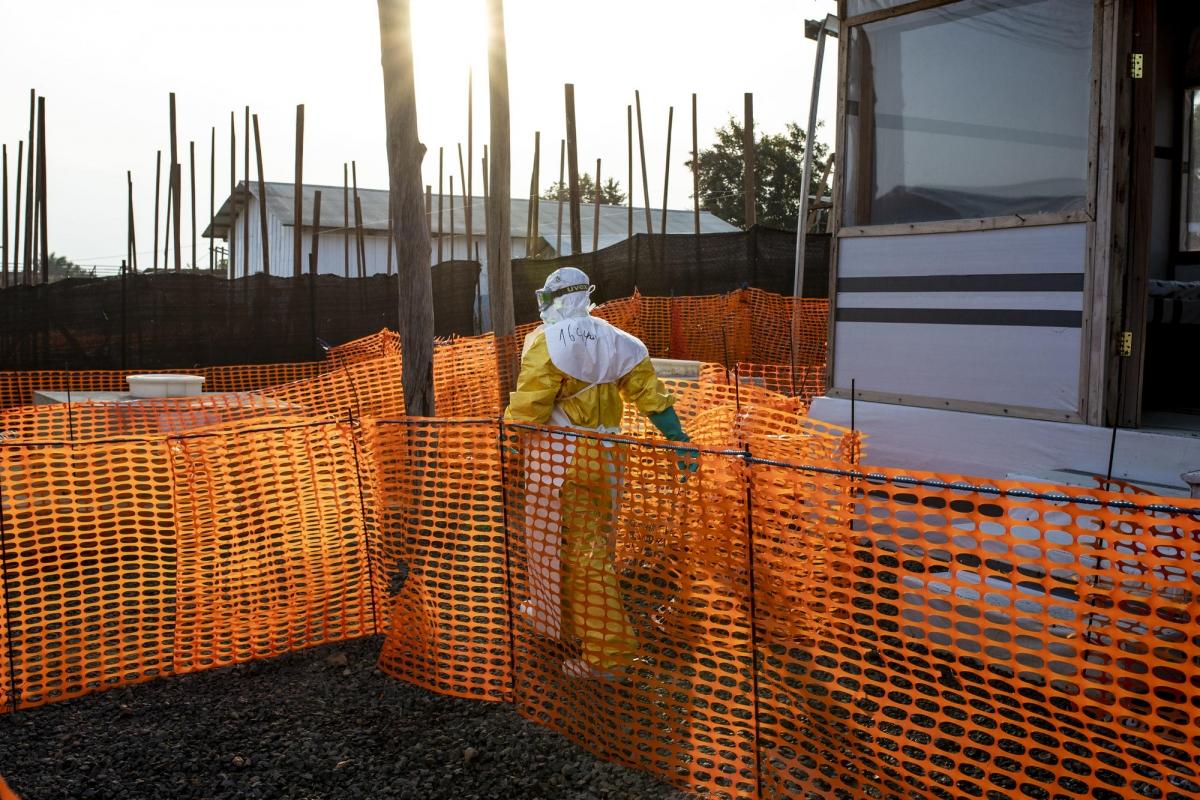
429,210
212,199
536,219
667,173
629,157
246,211
596,217
298,196
29,181
176,188
695,169
462,188
262,200
562,176
4,219
130,238
42,190
16,259
346,215
637,99
232,190
469,185
405,154
451,217
359,244
157,196
192,156
573,172
167,221
441,192
486,228
312,275
500,212
391,236
531,207
748,162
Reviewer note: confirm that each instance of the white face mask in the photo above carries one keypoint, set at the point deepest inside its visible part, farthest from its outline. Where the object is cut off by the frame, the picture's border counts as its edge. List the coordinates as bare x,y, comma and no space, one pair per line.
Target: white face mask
567,306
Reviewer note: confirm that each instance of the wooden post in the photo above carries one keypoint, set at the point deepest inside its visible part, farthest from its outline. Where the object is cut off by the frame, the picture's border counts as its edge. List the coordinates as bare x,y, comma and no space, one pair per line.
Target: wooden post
167,221
4,220
405,153
748,187
637,99
360,252
157,195
232,191
695,169
130,235
192,156
429,210
312,275
667,174
212,199
629,157
124,310
176,188
16,259
262,200
562,175
500,236
42,189
469,183
573,172
441,193
486,228
29,180
298,196
531,208
451,217
596,217
391,235
536,222
346,215
246,214
462,188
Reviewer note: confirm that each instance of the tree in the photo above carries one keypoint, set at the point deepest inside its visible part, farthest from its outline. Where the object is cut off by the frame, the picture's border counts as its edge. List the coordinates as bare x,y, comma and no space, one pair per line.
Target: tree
610,193
778,171
405,153
61,267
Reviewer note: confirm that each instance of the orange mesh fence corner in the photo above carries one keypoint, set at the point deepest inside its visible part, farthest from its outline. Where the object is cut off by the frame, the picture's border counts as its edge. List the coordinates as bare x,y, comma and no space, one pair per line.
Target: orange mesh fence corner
7,793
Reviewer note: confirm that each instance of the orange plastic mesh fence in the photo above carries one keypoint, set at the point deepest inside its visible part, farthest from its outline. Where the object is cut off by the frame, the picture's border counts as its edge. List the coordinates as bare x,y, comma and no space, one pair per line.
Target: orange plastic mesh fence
7,793
127,560
17,388
466,380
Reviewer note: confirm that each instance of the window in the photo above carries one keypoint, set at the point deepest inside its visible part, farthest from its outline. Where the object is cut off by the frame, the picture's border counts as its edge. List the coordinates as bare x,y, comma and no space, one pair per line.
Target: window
975,109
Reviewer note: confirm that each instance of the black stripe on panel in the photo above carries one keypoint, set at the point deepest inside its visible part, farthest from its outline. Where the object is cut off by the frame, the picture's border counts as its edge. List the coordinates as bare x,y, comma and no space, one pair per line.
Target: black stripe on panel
1039,282
963,316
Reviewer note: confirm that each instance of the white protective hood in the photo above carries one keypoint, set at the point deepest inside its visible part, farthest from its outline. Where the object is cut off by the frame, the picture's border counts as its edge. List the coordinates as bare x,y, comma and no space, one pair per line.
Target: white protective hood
591,350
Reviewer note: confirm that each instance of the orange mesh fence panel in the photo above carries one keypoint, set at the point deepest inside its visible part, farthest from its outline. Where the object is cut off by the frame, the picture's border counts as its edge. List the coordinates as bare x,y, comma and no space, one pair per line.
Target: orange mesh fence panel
89,561
272,548
465,378
442,555
802,382
377,345
17,388
7,793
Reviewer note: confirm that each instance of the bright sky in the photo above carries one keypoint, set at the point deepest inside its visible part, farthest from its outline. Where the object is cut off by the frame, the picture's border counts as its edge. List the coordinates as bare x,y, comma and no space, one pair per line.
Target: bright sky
106,70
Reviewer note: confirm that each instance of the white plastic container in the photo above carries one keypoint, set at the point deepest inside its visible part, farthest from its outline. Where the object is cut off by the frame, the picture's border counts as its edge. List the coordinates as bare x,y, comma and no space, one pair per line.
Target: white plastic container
165,385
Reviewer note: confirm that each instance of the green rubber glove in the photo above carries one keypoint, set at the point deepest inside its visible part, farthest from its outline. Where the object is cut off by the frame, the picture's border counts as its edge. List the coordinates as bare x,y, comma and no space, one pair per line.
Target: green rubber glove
667,421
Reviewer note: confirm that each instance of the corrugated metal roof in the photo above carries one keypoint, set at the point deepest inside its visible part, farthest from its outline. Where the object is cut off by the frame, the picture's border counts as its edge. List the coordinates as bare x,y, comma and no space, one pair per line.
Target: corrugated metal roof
614,220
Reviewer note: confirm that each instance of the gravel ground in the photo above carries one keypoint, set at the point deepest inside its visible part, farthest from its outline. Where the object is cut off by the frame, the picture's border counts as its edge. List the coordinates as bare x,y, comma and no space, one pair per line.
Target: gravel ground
317,725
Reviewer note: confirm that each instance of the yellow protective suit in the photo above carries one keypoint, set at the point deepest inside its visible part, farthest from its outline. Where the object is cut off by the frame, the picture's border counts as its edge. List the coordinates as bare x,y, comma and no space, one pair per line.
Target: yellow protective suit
572,492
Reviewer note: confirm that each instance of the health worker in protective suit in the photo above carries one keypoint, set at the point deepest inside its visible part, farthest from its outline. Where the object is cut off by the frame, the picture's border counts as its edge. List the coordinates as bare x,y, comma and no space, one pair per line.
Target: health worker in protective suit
577,371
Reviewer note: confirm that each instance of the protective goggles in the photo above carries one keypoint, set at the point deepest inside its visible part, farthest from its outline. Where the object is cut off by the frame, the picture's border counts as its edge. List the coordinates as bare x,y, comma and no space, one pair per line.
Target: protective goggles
547,296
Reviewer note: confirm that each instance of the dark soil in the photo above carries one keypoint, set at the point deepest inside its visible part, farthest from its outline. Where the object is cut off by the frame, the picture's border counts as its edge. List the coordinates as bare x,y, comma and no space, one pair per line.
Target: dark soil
316,725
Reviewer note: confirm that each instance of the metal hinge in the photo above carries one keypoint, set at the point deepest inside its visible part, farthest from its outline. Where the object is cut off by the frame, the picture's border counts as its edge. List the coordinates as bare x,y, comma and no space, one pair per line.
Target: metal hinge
1126,344
1136,65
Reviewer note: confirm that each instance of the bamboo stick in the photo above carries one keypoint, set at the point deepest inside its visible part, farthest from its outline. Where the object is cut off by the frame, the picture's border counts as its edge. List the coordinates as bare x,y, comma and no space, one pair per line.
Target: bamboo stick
451,217
312,274
359,241
462,188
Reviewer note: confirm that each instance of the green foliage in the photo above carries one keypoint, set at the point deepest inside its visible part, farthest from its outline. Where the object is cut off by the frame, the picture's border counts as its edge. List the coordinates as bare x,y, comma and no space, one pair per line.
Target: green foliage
610,192
778,172
62,267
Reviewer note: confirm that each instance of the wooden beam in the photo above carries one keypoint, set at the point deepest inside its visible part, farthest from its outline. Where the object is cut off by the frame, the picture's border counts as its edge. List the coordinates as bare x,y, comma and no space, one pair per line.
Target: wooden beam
637,100
298,196
695,170
573,172
171,170
157,195
499,240
749,190
262,200
667,173
405,154
391,235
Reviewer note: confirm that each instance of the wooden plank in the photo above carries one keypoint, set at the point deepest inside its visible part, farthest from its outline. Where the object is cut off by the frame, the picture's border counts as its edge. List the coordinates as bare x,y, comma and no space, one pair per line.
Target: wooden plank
500,211
667,174
157,194
637,101
888,13
961,225
695,170
1091,258
596,215
749,190
835,216
262,200
573,171
298,196
968,406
